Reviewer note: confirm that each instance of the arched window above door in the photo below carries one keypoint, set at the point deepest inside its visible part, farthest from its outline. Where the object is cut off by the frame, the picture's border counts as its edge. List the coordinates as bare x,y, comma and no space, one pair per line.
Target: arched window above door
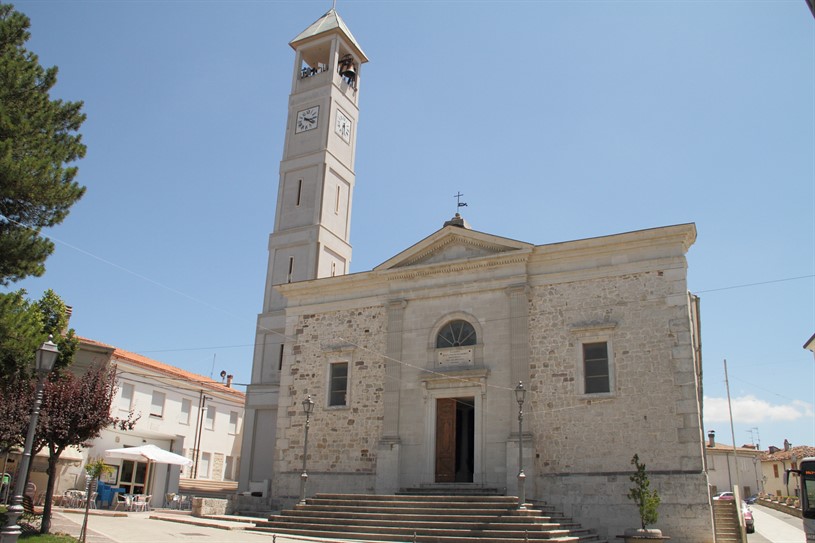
457,333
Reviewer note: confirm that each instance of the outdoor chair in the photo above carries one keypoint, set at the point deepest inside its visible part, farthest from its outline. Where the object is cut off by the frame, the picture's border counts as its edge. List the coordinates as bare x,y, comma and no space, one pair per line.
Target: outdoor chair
122,502
141,503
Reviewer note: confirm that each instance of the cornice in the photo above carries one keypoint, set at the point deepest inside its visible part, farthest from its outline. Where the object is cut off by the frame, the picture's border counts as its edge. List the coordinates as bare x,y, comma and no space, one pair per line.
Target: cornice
479,263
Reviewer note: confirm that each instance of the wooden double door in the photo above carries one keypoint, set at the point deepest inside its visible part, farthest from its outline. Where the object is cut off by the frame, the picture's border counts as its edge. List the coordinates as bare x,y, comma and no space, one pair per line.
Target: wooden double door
455,440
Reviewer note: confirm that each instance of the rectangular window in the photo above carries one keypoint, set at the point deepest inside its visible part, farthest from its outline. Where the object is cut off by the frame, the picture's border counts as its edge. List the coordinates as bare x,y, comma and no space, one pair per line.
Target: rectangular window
203,466
157,405
209,421
229,468
775,470
338,384
233,422
595,367
186,409
126,399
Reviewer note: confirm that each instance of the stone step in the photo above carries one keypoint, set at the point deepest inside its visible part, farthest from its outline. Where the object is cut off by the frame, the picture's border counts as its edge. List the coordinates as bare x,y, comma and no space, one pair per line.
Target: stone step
452,523
445,516
424,519
432,500
408,510
420,537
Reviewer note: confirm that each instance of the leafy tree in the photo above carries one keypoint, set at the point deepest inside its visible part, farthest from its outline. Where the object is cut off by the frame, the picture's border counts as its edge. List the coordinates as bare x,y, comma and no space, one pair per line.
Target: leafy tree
38,139
16,397
647,500
74,411
24,326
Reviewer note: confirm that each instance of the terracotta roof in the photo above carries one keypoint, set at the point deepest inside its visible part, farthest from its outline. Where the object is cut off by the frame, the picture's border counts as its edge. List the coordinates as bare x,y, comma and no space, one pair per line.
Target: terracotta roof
799,452
747,449
171,371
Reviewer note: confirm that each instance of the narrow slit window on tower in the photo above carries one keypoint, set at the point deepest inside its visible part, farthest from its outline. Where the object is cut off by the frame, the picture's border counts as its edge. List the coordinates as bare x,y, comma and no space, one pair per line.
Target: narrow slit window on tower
333,269
291,269
280,359
337,201
299,191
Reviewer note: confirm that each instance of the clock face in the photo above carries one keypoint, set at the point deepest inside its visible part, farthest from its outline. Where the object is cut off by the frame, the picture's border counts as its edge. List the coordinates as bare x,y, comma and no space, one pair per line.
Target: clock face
343,126
307,119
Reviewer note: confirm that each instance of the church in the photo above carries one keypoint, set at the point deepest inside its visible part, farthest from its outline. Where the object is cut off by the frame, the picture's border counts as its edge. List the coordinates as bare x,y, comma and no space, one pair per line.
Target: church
467,360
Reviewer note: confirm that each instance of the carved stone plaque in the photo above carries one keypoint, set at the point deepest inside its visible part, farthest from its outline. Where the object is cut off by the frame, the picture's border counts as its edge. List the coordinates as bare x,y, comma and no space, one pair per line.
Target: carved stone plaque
455,357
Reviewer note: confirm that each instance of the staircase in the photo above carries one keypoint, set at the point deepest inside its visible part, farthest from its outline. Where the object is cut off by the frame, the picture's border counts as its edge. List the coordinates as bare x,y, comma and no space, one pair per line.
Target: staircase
726,522
424,519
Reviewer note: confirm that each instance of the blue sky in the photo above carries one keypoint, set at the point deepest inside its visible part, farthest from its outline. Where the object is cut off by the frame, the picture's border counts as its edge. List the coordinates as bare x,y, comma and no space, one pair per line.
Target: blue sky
556,120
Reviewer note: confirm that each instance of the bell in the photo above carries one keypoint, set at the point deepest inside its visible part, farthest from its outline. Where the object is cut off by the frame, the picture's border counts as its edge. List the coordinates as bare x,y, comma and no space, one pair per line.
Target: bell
349,71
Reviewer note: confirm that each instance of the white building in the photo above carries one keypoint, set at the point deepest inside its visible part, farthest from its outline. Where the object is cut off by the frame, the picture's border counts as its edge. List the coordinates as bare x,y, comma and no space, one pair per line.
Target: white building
728,468
179,411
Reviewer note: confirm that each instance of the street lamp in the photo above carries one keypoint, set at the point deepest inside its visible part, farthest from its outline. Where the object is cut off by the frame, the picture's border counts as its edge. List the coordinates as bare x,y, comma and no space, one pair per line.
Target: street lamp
46,356
520,396
308,407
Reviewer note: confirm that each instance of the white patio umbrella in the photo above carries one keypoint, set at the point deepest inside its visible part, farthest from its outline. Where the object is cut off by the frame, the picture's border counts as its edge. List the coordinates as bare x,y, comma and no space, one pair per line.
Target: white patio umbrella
151,454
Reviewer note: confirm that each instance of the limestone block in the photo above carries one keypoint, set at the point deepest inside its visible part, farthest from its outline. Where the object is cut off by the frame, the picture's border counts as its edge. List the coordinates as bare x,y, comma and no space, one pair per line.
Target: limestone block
202,507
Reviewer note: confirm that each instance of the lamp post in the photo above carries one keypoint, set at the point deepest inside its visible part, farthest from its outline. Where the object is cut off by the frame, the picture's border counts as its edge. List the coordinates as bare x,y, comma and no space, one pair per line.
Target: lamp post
46,356
308,407
520,396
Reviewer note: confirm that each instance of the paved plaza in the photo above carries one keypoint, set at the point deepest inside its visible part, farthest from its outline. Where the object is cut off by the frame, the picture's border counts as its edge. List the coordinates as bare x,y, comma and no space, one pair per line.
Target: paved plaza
155,527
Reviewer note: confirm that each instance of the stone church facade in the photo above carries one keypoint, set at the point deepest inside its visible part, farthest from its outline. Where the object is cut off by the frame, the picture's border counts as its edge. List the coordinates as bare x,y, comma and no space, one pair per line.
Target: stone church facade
413,365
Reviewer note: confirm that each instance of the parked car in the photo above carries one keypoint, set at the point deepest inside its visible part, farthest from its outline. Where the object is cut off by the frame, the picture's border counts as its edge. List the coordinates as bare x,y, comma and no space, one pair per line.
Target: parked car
752,499
724,496
749,523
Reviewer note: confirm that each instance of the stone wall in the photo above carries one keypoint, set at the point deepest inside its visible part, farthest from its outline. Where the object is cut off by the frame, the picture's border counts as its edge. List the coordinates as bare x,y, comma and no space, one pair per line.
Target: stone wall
600,501
584,443
644,318
342,439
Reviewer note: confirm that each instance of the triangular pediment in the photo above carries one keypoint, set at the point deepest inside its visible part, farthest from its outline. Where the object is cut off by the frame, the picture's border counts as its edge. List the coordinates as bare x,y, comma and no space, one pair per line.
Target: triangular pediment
454,244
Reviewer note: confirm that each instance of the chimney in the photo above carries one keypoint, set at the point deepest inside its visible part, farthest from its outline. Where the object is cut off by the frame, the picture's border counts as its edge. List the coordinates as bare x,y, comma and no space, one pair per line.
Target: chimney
711,436
787,445
229,381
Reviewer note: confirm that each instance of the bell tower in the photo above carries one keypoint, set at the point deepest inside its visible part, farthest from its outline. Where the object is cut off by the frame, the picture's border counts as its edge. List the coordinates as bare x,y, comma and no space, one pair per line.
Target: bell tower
313,214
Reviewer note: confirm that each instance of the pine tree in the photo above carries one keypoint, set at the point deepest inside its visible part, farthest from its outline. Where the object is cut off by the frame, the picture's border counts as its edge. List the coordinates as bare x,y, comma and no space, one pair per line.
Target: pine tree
38,139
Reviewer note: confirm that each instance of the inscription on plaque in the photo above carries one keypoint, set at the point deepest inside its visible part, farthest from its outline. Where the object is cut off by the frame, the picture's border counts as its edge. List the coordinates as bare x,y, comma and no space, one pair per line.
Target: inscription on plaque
455,357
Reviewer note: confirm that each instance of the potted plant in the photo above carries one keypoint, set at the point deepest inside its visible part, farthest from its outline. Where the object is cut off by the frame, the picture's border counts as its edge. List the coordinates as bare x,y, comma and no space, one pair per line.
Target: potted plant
647,501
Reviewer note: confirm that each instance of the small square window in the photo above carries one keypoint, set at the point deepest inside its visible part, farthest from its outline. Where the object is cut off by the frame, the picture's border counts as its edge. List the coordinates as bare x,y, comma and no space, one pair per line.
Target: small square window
186,409
157,405
126,397
338,384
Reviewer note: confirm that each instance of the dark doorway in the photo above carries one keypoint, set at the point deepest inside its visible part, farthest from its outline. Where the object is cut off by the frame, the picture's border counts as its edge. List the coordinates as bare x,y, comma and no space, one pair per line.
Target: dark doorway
455,440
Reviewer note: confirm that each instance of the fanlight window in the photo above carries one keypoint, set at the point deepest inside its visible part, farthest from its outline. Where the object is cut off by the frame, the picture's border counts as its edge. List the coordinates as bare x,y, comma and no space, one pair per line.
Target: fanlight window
456,334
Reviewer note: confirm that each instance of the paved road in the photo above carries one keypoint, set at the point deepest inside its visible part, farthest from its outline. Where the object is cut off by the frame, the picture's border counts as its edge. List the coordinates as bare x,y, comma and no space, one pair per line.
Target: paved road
775,527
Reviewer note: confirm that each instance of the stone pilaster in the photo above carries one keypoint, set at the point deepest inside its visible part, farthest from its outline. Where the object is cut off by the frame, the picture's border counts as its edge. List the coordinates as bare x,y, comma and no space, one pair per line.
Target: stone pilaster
387,461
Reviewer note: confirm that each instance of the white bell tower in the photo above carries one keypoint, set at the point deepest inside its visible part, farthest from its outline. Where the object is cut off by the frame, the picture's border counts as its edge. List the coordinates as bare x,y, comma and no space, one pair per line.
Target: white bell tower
313,214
